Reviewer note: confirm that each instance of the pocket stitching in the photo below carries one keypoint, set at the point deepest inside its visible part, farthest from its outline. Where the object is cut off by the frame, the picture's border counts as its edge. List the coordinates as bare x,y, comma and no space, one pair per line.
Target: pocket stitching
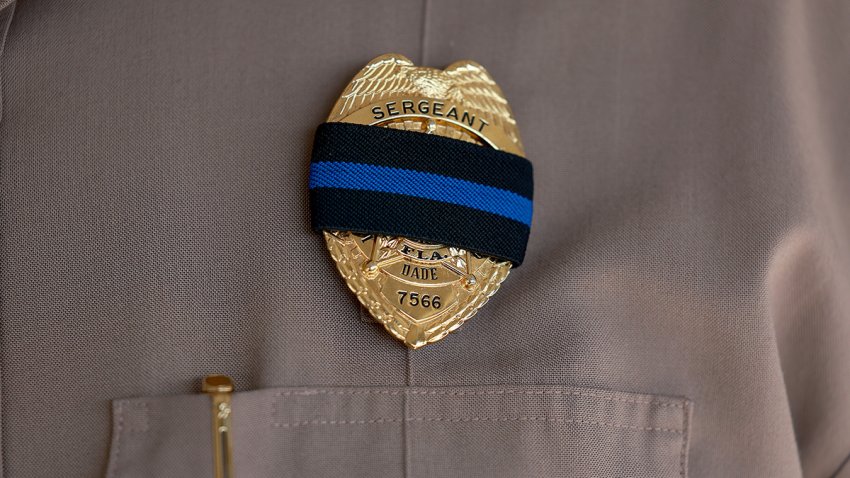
121,429
478,392
683,405
116,443
474,419
683,458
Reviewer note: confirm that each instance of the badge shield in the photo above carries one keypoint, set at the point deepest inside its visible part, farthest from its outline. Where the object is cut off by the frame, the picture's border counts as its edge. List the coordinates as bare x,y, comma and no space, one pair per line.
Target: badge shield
420,291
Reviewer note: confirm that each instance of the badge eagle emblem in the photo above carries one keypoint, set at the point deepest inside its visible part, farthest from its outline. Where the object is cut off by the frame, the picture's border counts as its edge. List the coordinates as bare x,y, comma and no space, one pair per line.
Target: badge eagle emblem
420,291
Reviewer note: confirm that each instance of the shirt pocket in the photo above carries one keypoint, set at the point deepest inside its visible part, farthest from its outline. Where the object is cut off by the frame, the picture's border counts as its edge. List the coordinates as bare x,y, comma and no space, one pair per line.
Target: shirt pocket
487,431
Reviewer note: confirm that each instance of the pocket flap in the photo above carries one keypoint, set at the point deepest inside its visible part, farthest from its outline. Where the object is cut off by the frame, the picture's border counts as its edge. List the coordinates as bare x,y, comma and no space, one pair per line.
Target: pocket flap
409,431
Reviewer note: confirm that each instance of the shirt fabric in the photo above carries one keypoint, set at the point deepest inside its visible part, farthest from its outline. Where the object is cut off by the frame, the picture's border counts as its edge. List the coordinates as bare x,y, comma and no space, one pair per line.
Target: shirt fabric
682,309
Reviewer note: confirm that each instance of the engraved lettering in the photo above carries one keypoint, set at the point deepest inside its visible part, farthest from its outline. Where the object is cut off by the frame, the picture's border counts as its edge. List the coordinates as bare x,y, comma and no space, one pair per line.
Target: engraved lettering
414,298
468,119
427,273
378,112
483,124
452,113
438,108
423,107
392,111
407,107
424,255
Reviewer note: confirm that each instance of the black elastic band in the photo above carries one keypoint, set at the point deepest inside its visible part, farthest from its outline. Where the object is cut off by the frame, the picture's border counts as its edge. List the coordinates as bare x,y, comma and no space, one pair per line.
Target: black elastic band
370,179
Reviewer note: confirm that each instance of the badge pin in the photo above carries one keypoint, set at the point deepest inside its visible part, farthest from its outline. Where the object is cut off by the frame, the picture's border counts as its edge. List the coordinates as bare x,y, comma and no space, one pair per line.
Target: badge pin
420,291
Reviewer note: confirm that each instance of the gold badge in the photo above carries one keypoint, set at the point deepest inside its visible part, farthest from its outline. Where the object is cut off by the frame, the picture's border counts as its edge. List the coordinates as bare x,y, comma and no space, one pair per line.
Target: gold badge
419,291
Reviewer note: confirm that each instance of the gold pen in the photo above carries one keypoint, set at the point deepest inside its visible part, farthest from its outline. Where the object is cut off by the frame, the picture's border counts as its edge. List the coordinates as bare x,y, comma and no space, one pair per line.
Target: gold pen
219,388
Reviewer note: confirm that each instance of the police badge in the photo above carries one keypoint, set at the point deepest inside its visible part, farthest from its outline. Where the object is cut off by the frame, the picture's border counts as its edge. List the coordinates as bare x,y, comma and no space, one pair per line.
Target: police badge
419,184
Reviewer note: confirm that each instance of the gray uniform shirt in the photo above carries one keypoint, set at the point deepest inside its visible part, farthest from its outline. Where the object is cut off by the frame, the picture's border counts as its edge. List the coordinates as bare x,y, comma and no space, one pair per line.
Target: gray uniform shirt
684,307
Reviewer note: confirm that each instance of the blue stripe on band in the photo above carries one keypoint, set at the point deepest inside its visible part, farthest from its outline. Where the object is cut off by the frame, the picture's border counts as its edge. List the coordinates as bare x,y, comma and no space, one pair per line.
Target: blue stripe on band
367,177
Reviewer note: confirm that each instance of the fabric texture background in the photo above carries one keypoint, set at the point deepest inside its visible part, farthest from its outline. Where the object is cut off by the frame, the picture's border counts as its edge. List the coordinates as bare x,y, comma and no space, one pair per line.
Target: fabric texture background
690,233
